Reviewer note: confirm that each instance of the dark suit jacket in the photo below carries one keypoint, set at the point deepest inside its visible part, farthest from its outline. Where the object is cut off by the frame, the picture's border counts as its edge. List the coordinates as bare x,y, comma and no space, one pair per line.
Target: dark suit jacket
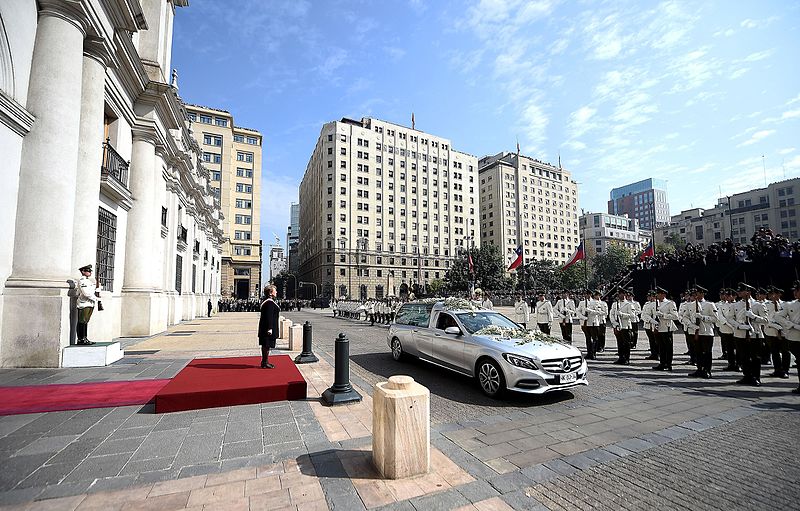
268,320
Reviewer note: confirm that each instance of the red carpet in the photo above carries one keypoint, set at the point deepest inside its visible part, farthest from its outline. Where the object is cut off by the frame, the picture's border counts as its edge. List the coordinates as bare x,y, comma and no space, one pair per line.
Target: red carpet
213,382
78,396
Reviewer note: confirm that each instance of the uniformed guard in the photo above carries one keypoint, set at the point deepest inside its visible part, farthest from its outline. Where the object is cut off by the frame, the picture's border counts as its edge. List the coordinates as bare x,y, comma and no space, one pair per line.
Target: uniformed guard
727,326
704,316
666,313
789,321
544,313
601,321
778,345
522,311
650,324
748,336
87,296
621,316
565,311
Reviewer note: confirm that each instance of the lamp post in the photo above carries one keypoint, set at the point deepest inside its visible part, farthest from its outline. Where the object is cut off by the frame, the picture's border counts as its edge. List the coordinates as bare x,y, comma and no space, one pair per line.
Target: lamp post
359,242
469,240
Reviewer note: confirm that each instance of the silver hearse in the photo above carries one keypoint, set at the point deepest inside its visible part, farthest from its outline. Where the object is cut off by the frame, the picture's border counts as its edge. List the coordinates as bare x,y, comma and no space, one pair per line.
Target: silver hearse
485,345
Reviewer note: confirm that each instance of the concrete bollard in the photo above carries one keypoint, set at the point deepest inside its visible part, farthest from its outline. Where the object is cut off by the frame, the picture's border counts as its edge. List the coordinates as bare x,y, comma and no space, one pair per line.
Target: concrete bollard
401,428
285,324
295,337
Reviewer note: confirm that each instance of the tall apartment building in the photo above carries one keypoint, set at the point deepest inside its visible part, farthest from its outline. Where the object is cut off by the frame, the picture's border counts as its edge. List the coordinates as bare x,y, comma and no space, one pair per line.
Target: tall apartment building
739,216
645,200
528,202
293,239
233,156
374,198
601,230
277,261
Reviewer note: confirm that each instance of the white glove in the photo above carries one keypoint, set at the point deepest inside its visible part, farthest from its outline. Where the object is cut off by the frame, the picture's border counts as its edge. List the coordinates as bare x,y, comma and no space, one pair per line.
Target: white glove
750,314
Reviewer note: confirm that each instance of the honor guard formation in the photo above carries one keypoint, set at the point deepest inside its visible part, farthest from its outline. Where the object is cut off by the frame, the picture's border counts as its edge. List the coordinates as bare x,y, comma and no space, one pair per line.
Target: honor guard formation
756,328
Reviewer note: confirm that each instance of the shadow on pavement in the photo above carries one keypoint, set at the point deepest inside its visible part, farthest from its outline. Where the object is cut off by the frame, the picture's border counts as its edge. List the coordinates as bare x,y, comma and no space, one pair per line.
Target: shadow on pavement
451,385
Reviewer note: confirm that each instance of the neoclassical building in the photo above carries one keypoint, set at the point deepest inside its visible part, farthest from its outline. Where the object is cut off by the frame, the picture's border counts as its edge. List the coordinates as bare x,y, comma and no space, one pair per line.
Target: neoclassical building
99,166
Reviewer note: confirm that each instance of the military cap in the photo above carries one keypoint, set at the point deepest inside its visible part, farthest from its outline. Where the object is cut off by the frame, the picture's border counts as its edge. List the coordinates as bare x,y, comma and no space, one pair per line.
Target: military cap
745,287
775,289
660,289
700,289
88,267
796,285
761,291
651,292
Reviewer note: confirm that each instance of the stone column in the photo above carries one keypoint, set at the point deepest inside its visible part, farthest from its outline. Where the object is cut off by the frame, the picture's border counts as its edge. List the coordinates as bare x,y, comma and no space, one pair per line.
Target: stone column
142,275
36,307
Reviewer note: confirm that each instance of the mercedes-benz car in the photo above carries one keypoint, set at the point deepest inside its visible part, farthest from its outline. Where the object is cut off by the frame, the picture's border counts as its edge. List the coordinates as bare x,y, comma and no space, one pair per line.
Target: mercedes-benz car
486,345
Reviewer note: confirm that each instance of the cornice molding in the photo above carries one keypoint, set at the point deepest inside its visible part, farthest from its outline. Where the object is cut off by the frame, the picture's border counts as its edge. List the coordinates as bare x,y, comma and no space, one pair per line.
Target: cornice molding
14,115
71,11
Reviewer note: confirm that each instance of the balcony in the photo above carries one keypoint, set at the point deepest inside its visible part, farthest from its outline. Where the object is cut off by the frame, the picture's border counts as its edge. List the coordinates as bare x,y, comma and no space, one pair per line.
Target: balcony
114,177
182,237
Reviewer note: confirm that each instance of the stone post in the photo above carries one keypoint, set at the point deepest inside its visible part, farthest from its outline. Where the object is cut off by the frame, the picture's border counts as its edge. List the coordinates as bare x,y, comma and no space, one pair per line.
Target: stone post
36,323
401,428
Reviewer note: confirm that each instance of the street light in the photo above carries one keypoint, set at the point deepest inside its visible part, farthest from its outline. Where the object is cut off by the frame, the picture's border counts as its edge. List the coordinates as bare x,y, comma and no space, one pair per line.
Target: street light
343,242
469,241
359,242
310,284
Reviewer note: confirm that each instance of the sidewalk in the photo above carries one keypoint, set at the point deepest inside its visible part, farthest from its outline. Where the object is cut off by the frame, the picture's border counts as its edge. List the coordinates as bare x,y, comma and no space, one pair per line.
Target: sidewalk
303,455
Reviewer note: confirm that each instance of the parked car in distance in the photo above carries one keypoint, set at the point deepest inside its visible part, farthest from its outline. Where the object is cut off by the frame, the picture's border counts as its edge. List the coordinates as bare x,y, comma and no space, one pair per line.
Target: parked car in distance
486,345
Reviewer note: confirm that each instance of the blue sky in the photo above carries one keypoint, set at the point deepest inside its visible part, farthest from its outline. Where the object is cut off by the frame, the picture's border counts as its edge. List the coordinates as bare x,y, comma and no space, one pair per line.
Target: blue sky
691,92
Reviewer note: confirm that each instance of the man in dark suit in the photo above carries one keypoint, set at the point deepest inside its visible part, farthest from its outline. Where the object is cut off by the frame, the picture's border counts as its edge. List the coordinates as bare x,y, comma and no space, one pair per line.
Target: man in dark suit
268,325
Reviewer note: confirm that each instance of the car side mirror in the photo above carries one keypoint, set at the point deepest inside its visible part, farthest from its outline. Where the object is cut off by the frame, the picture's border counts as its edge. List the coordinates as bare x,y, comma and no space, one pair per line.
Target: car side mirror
454,330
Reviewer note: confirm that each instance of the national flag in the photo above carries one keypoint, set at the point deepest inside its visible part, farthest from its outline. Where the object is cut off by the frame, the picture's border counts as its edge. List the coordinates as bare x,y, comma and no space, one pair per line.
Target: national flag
649,251
471,265
516,262
577,256
517,146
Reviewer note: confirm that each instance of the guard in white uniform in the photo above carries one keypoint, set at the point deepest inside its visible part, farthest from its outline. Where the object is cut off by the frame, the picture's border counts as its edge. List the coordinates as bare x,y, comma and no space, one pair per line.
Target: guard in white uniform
544,313
565,312
87,296
788,319
666,313
522,311
704,316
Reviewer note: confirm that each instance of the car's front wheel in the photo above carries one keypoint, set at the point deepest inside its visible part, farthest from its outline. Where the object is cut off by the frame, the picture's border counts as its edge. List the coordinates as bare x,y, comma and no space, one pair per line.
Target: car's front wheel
397,349
490,378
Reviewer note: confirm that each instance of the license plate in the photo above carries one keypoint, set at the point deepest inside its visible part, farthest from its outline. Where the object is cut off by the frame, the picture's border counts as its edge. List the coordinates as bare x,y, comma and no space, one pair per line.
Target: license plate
568,378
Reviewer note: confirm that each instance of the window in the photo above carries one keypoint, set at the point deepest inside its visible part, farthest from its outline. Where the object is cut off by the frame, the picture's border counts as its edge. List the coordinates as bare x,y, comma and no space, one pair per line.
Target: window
219,121
178,273
243,235
243,188
241,172
242,250
106,241
244,219
216,175
244,203
242,156
238,138
205,119
252,140
194,278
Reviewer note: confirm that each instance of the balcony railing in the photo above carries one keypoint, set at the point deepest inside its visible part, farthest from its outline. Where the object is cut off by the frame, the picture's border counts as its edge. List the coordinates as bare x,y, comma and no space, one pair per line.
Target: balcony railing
114,165
182,234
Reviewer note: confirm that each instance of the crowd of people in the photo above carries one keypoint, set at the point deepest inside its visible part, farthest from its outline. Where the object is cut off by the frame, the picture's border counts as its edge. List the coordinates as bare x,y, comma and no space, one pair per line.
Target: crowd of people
763,247
238,305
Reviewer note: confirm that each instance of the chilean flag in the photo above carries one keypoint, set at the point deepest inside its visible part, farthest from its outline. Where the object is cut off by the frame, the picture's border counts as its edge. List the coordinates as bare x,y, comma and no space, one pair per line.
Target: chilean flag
577,256
516,261
649,251
471,265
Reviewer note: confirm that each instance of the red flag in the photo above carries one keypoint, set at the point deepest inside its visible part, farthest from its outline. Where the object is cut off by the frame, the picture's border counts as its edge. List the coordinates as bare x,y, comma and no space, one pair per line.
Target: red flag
577,256
649,251
471,266
518,260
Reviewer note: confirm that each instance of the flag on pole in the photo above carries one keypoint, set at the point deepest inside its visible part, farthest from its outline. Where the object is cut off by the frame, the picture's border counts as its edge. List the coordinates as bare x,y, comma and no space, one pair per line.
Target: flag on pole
471,265
516,262
517,146
649,251
412,120
577,256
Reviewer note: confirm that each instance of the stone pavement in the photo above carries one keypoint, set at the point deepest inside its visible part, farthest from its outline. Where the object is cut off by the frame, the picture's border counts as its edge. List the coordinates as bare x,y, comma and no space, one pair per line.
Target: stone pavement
633,439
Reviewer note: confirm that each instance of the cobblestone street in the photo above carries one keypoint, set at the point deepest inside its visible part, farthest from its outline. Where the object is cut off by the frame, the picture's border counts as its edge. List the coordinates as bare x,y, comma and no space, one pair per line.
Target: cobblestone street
633,439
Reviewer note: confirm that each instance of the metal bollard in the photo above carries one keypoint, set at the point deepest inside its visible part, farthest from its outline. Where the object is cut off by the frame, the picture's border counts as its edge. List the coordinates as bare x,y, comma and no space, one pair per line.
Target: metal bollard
306,356
341,391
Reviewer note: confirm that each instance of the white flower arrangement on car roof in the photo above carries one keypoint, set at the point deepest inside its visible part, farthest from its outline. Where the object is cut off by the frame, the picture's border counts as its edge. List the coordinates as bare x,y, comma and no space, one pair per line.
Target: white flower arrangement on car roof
522,335
453,303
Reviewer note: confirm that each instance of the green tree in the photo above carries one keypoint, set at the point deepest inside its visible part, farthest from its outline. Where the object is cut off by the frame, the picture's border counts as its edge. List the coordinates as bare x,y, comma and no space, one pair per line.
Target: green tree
490,270
607,265
575,276
435,287
539,274
672,243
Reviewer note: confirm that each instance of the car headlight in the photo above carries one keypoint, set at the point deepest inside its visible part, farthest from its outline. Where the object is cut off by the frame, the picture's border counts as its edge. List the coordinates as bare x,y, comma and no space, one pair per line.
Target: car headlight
523,362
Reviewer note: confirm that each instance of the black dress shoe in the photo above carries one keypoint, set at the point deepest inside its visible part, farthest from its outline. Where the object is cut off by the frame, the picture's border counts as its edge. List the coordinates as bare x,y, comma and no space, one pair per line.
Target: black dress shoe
659,367
689,363
668,368
796,391
618,362
744,381
269,366
706,376
756,383
784,376
697,374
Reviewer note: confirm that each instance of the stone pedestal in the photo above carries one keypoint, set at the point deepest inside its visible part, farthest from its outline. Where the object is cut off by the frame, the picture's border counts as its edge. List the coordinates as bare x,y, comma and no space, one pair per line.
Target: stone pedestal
295,337
98,355
285,325
401,428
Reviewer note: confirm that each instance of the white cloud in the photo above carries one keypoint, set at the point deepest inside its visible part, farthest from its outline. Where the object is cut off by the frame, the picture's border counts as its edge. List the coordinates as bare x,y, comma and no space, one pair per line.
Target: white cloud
760,55
394,52
751,23
791,114
757,136
724,33
579,122
738,73
337,57
787,150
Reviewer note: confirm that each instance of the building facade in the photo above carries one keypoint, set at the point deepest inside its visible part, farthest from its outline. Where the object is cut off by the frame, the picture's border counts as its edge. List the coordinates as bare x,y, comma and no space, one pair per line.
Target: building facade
277,261
293,239
645,200
601,230
233,156
739,216
374,198
528,202
99,167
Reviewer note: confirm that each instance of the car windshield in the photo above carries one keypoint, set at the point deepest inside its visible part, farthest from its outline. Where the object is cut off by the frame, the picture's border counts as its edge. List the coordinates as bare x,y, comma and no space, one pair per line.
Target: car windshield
474,321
